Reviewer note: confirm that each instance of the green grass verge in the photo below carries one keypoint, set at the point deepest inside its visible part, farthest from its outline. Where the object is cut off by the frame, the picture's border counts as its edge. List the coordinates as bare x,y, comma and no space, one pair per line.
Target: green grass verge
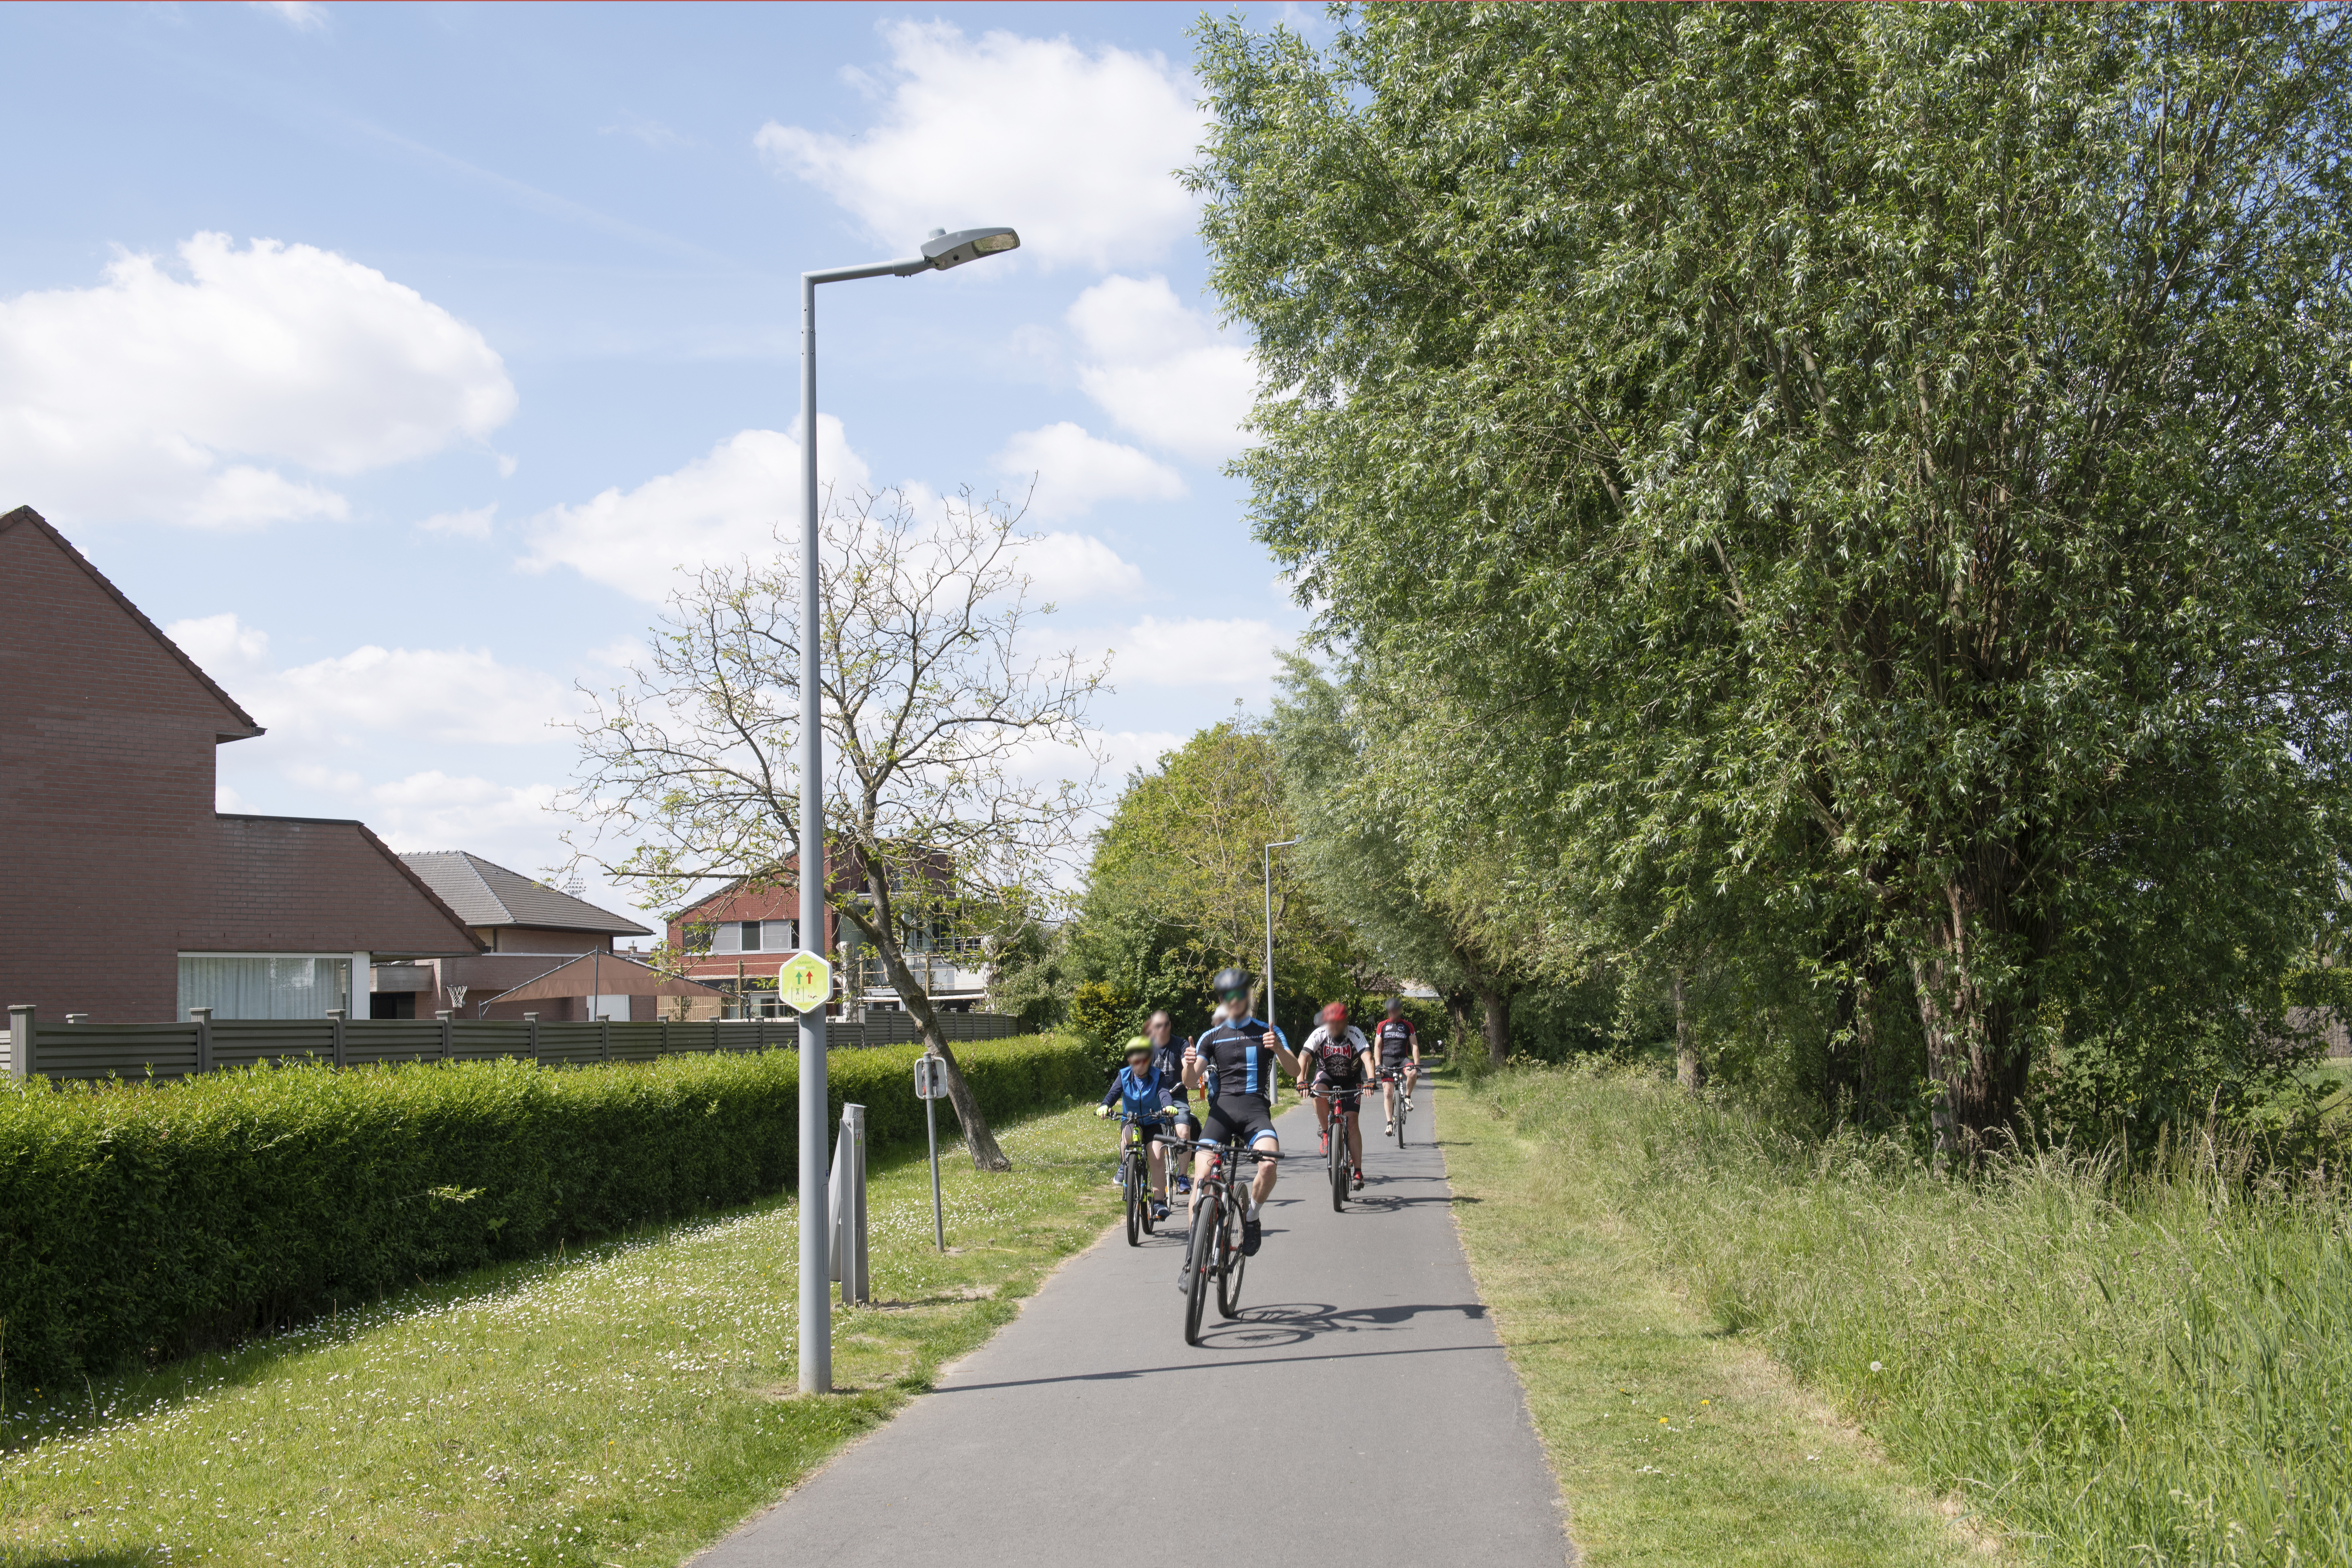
1675,1443
2148,1368
625,1403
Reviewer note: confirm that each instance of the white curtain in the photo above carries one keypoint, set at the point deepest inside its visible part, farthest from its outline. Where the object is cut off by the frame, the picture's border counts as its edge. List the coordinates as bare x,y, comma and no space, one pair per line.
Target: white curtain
264,985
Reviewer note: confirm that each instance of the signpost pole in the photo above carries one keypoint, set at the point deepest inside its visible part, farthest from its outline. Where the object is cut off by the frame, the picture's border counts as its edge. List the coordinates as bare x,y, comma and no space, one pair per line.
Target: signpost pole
931,1125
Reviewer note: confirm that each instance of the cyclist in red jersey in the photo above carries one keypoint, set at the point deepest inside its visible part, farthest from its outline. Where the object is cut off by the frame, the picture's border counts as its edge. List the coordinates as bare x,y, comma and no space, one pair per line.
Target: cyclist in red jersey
1340,1064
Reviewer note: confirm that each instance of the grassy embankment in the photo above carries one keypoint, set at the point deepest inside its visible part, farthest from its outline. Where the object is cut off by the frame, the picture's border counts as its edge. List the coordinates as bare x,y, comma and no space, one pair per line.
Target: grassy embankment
622,1403
2113,1369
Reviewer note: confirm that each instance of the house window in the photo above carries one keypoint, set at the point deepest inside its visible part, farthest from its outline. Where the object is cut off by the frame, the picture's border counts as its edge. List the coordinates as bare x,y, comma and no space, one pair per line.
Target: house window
264,985
751,936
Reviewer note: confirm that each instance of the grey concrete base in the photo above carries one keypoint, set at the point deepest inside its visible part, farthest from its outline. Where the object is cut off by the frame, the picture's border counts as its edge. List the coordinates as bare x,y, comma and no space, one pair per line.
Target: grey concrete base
1360,1411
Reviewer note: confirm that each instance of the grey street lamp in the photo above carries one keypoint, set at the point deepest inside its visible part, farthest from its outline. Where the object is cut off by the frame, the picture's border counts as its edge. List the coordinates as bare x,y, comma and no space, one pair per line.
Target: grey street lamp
1277,843
939,252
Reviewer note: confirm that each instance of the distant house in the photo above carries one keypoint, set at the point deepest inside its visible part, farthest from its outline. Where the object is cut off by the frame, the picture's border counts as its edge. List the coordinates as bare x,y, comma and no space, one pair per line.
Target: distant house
129,897
525,929
737,938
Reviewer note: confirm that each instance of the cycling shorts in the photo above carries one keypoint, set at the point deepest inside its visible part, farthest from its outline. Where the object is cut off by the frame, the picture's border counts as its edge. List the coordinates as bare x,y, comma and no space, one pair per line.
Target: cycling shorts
1396,1059
1243,1120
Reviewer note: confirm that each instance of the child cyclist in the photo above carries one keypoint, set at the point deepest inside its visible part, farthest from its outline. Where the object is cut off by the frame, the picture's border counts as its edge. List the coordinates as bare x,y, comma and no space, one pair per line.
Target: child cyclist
1141,1092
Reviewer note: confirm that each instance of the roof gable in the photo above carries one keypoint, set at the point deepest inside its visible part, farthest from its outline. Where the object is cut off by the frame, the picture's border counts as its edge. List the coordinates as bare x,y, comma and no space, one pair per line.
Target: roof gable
234,723
484,893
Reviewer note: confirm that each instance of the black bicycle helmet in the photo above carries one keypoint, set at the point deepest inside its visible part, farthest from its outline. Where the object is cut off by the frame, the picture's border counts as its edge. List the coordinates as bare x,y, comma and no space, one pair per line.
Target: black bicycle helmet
1229,981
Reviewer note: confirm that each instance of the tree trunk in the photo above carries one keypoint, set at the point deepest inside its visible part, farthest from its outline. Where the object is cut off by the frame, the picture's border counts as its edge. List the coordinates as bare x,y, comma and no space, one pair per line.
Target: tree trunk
1972,1048
1497,1002
1689,1071
977,1137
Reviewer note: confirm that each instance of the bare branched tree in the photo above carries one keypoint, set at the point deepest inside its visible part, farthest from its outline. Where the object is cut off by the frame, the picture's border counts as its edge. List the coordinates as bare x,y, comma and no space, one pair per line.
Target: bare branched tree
941,722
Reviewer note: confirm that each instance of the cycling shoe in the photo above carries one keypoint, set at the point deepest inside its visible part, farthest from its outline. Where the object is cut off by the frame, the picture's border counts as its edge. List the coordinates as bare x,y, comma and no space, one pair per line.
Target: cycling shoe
1251,1236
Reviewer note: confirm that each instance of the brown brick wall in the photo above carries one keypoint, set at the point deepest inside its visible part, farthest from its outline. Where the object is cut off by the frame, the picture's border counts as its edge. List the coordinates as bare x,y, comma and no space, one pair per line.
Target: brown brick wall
106,792
111,859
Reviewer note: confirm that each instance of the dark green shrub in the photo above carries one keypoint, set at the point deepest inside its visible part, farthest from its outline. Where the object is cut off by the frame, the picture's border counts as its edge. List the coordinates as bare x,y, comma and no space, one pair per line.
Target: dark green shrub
138,1220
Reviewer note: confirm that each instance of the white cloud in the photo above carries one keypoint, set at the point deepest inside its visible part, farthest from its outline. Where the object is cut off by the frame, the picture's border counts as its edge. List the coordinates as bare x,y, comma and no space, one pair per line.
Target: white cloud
1196,652
720,507
1161,369
1075,148
1065,568
1074,469
410,694
135,399
302,16
474,522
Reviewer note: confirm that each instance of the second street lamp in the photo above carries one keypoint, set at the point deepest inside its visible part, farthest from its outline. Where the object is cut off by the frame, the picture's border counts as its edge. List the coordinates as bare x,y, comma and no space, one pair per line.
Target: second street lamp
939,252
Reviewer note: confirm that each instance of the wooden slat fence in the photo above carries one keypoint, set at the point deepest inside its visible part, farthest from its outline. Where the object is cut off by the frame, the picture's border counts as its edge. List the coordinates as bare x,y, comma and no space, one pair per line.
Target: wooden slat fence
179,1051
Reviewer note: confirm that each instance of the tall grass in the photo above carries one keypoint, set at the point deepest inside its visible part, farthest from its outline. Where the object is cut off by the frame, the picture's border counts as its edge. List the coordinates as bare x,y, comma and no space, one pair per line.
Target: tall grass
2124,1367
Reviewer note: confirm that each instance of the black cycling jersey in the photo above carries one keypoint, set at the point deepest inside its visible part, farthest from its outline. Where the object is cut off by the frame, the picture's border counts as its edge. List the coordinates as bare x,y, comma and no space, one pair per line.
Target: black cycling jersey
1168,1060
1394,1038
1338,1063
1238,1060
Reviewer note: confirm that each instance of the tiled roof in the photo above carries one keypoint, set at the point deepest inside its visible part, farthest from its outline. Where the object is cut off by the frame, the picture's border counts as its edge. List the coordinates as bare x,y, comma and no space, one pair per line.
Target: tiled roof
486,894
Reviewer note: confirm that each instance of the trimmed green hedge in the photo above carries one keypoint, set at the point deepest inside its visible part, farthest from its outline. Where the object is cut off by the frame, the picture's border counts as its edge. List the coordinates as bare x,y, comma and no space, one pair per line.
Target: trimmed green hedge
140,1220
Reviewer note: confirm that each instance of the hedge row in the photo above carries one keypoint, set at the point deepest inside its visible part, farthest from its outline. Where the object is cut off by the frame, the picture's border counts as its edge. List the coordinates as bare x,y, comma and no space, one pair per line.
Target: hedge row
139,1221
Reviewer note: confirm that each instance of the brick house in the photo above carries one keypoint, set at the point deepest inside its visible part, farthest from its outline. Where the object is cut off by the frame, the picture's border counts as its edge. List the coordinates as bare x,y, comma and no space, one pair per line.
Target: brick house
737,938
130,899
526,929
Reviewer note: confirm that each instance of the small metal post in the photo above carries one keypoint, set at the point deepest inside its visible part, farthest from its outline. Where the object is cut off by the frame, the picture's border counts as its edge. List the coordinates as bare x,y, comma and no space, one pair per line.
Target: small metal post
20,1043
604,1034
530,1032
859,1280
335,1017
204,1018
444,1016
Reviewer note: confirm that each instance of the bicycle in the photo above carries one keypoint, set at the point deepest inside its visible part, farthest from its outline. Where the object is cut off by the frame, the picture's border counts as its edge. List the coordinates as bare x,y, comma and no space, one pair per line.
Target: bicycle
1135,1178
1335,1153
1215,1245
1396,1076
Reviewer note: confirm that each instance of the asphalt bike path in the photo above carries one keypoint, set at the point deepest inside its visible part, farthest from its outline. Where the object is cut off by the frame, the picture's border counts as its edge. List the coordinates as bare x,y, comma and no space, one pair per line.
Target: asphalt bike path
1360,1411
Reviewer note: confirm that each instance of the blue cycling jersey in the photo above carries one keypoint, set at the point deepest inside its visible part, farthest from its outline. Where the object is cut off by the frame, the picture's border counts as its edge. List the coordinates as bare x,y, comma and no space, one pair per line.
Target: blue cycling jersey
1138,1096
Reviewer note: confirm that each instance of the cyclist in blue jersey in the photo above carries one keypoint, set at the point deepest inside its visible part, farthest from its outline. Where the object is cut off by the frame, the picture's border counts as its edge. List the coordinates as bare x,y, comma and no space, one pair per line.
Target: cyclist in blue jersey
1142,1093
1240,1058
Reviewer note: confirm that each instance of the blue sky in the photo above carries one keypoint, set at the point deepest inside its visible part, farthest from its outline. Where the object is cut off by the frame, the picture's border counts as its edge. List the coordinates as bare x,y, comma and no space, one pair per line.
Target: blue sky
393,356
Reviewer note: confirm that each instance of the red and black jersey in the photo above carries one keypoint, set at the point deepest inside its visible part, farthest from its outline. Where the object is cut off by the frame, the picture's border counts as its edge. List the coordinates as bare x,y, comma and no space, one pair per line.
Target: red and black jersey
1393,1038
1338,1061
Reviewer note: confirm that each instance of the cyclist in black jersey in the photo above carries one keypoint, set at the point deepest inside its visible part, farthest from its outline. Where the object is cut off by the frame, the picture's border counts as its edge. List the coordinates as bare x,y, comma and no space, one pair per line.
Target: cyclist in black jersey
1168,1061
1240,1058
1398,1045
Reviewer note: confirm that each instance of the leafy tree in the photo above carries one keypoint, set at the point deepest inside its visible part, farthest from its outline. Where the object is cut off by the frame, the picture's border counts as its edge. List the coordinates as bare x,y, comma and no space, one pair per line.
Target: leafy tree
1418,906
934,702
1879,467
1177,888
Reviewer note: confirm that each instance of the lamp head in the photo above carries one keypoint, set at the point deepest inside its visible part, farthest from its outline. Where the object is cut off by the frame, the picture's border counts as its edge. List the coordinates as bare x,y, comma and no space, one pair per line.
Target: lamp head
945,251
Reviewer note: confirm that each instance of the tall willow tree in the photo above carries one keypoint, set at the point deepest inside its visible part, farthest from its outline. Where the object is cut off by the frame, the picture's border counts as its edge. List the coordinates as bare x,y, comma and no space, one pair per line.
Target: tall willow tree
1885,464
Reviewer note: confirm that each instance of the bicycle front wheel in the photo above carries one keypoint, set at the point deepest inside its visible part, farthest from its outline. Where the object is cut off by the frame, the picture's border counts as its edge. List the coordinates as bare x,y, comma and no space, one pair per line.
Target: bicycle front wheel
1339,1164
1399,1120
1129,1187
1199,1257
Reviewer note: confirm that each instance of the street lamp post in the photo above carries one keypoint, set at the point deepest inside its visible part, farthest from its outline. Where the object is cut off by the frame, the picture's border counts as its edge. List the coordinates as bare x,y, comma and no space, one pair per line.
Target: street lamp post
939,252
1268,858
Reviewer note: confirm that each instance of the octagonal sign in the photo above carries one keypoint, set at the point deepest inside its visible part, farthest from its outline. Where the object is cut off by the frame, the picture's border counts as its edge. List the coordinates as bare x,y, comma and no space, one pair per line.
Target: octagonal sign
804,982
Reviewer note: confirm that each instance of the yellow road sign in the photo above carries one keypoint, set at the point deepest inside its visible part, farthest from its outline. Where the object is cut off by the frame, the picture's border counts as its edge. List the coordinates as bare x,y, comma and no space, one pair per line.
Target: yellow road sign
804,982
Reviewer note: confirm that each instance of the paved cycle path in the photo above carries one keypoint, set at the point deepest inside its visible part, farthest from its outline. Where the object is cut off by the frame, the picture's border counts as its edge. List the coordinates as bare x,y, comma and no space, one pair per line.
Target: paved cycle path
1358,1413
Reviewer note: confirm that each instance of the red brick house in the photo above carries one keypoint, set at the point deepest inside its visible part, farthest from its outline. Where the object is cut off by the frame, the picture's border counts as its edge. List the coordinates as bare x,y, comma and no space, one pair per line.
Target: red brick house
738,938
129,897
